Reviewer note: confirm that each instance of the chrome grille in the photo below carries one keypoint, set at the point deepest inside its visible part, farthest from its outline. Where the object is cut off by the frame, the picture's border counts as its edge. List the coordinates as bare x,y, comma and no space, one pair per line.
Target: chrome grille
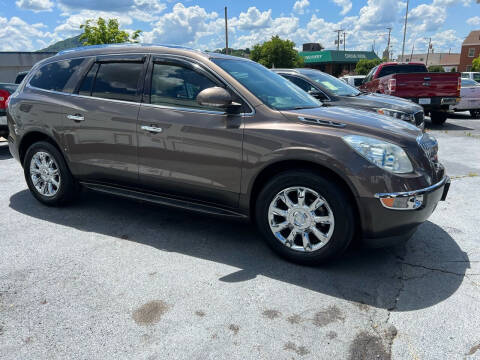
429,145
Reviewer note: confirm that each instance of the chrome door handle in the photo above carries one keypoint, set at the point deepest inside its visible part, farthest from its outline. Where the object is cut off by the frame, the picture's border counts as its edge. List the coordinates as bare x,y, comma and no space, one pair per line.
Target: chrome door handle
76,117
152,129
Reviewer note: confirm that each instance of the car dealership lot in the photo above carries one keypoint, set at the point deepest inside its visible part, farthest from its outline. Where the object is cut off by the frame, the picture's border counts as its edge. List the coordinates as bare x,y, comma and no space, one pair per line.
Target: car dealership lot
116,279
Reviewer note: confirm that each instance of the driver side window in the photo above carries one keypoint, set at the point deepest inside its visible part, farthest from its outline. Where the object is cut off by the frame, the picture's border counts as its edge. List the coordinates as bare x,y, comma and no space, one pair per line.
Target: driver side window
177,85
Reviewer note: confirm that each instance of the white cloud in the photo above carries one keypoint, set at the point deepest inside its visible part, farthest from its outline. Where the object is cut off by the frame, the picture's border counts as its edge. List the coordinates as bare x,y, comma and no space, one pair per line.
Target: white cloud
16,34
346,5
474,21
35,5
300,6
252,19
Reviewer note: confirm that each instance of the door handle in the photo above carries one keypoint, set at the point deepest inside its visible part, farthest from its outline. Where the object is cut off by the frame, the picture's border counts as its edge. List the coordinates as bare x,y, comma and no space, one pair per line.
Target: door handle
76,117
152,129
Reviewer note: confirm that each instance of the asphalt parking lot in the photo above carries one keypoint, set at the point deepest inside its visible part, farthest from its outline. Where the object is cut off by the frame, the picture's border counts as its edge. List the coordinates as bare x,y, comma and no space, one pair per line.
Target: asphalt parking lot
109,278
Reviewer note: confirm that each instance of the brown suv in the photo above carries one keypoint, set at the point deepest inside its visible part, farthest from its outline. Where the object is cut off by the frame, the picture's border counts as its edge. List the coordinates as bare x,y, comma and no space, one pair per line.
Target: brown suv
222,135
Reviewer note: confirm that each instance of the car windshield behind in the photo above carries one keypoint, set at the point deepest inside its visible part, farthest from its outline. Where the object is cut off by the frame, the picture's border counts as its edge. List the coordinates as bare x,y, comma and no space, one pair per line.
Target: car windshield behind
469,83
331,84
271,88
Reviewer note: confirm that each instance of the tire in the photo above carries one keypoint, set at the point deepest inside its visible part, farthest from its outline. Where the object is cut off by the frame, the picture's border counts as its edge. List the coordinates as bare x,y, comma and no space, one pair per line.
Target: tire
337,209
475,114
438,117
49,167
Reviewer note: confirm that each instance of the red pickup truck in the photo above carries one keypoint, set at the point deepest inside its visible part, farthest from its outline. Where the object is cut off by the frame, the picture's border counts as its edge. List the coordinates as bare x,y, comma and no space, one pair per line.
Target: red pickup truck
434,91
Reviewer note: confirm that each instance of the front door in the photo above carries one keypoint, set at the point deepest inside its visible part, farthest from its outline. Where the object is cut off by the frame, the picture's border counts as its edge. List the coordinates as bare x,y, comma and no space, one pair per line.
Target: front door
101,120
186,149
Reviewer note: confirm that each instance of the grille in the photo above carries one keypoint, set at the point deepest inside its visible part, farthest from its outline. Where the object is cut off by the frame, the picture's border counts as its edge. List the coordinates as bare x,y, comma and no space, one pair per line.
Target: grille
429,145
419,118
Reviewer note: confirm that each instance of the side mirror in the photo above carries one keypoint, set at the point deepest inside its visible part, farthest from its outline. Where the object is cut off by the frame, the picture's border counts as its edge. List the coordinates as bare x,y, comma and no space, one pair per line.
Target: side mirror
318,95
217,97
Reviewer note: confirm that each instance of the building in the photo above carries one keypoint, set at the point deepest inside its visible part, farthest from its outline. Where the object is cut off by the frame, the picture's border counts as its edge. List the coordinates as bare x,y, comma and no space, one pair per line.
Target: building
448,61
470,50
335,62
13,62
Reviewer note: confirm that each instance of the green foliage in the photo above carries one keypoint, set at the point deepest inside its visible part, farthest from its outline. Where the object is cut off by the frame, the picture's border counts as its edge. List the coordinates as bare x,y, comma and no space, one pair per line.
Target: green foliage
436,68
245,53
453,69
103,32
364,66
276,53
476,64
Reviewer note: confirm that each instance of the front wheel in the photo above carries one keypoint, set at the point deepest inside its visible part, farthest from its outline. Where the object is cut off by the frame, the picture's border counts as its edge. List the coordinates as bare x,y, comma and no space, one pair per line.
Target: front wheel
438,117
305,217
475,114
48,176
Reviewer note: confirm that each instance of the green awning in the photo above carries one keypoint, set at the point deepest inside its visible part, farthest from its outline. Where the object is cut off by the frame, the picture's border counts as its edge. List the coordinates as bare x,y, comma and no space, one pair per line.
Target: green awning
334,56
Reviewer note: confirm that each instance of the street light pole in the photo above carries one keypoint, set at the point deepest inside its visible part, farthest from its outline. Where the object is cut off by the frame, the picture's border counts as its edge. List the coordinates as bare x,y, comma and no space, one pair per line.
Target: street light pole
405,30
226,32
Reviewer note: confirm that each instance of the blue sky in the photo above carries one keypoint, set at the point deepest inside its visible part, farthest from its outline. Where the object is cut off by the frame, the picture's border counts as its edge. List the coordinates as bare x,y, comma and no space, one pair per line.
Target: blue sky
33,24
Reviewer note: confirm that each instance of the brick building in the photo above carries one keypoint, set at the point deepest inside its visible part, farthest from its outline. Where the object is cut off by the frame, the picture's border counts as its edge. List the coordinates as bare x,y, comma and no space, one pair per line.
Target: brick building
470,50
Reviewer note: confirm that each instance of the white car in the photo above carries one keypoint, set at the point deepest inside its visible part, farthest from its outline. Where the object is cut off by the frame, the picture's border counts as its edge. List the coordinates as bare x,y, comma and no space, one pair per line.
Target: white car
470,98
471,75
353,80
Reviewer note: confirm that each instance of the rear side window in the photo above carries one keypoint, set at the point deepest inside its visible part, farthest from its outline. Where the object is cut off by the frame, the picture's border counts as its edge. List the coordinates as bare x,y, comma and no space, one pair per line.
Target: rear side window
117,81
55,76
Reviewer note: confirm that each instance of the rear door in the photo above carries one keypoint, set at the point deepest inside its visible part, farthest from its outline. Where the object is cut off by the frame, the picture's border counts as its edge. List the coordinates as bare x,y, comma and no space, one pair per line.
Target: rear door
101,119
185,149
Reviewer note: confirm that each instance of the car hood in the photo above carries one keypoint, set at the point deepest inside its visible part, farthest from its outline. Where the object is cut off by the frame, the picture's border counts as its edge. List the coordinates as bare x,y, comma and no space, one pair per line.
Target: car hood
372,100
357,121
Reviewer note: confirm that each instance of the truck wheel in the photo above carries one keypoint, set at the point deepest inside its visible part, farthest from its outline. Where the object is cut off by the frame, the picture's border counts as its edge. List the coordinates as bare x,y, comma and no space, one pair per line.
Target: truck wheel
438,117
304,217
475,114
48,176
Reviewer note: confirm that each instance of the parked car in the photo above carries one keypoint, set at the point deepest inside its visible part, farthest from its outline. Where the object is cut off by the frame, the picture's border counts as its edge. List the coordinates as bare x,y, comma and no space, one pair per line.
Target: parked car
332,91
353,80
436,92
5,91
20,76
470,98
222,135
471,75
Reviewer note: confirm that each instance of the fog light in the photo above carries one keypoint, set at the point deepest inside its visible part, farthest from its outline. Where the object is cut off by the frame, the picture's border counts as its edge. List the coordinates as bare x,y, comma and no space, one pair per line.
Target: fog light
402,203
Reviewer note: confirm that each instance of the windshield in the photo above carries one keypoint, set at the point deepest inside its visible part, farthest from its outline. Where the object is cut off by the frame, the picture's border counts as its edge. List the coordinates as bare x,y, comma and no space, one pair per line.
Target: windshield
469,83
331,84
272,89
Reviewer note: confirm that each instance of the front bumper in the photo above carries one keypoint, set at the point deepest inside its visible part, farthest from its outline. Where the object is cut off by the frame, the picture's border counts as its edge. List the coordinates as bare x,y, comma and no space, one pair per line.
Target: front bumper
386,225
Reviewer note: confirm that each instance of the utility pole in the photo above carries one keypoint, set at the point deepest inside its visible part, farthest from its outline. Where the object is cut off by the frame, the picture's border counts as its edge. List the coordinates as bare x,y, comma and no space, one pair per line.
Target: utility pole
344,41
428,50
388,45
413,47
338,38
405,30
226,32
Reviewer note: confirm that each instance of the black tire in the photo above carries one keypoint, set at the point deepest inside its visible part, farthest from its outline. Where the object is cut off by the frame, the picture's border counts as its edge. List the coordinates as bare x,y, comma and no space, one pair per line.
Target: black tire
68,188
438,117
338,201
475,114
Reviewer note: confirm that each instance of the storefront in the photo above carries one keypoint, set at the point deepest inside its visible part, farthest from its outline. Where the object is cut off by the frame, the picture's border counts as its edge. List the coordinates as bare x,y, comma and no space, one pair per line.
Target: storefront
335,62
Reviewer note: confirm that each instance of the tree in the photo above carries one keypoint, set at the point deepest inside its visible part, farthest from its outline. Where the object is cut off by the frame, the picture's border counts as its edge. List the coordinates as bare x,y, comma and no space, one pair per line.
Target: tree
476,64
102,32
436,68
364,66
276,53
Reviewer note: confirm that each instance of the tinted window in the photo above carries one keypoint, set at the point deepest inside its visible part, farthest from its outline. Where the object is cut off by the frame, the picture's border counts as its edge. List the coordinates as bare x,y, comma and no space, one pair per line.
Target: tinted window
302,84
87,83
271,88
330,84
54,76
117,81
358,81
176,85
402,69
469,83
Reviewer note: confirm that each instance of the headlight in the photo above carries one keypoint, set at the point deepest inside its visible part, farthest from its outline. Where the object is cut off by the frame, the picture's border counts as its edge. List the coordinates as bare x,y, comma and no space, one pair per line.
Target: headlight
396,114
385,155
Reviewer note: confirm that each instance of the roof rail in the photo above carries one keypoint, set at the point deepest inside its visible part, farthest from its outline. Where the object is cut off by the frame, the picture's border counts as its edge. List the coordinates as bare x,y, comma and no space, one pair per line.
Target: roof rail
104,46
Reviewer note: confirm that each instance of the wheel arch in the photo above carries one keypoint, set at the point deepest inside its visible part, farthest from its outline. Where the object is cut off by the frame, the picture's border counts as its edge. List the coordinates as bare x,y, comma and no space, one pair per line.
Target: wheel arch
33,137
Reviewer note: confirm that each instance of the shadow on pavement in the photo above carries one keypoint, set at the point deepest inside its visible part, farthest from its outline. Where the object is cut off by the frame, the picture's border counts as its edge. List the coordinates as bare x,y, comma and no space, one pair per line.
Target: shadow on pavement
4,152
365,276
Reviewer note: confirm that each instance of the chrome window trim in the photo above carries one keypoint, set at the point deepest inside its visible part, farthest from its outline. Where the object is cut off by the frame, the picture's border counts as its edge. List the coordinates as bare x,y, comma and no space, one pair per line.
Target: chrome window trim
414,192
187,109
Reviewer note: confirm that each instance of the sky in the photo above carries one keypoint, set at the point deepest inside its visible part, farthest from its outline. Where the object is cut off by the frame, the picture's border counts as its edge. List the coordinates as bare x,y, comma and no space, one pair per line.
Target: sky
27,25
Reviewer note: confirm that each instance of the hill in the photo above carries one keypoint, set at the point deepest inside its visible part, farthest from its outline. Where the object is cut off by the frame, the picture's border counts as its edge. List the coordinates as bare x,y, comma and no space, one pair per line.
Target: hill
69,43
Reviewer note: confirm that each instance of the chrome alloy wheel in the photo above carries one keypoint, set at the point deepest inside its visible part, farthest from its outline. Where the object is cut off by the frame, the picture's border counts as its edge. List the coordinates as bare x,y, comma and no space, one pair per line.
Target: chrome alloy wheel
45,174
301,219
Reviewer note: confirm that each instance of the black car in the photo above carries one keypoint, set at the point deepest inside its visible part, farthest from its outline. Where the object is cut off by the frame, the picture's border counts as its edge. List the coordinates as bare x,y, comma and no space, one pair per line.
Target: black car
332,91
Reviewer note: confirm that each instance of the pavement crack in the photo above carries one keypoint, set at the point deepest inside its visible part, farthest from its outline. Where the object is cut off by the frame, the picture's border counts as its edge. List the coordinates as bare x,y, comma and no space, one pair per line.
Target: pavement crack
436,269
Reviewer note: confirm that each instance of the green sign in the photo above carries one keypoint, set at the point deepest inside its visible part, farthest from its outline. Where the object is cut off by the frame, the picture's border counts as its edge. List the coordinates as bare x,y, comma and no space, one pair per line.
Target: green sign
334,56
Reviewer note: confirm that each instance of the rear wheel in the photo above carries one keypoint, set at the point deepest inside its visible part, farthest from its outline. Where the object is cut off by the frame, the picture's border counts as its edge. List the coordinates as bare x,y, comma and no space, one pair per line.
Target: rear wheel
305,217
48,176
475,113
438,117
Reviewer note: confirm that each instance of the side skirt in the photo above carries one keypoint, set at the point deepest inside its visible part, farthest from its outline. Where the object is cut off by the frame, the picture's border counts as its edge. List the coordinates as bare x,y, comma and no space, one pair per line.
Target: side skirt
163,200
